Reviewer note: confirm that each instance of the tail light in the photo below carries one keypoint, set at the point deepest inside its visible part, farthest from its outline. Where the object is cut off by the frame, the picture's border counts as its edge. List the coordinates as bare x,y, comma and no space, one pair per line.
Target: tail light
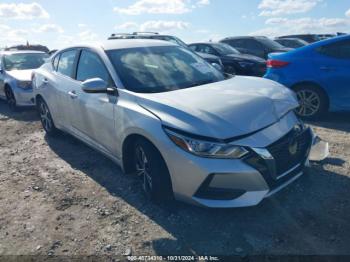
276,63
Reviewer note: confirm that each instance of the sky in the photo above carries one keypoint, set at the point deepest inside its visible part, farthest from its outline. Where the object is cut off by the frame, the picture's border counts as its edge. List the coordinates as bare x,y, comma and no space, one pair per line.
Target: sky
61,23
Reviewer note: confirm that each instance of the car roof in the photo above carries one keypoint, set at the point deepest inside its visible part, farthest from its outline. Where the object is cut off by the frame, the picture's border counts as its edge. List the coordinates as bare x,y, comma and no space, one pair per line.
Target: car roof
289,38
244,37
123,44
12,52
206,43
137,36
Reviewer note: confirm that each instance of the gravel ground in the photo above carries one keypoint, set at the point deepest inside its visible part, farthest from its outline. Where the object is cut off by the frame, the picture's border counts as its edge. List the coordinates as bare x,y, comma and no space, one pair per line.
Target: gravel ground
59,197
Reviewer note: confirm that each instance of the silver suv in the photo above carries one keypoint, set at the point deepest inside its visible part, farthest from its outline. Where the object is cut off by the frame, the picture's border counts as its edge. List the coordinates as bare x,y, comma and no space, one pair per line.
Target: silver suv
164,114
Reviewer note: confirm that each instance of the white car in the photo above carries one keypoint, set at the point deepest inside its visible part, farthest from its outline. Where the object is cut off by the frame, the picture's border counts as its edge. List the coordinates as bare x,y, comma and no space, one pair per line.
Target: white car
165,114
16,69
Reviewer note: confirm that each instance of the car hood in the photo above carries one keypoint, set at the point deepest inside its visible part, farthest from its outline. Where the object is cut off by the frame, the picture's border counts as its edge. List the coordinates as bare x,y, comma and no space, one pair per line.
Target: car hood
245,57
222,110
22,75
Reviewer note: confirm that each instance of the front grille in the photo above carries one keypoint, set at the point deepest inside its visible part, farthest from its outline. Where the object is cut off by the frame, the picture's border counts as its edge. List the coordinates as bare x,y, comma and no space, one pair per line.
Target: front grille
284,161
280,150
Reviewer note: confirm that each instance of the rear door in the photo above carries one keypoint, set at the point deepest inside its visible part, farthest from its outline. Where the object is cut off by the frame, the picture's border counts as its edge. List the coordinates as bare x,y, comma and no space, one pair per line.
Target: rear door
333,69
63,83
94,113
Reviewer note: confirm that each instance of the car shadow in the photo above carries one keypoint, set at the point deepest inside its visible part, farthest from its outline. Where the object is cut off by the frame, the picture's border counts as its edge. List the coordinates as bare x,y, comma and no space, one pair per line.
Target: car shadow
308,217
25,114
338,121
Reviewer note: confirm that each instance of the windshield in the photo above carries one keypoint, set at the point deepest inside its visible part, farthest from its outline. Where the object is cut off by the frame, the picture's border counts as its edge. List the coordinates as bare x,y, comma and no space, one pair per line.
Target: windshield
24,61
162,69
271,44
225,49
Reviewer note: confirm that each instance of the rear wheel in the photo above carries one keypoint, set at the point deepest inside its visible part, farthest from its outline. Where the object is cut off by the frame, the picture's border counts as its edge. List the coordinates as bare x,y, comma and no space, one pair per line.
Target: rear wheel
150,166
46,118
313,102
10,98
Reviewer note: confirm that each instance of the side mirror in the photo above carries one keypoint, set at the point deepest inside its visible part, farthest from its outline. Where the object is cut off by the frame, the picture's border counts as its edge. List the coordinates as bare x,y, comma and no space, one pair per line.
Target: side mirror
95,85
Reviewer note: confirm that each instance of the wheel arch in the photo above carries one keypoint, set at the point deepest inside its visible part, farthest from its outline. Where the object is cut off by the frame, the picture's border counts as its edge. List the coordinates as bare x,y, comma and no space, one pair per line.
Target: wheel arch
127,150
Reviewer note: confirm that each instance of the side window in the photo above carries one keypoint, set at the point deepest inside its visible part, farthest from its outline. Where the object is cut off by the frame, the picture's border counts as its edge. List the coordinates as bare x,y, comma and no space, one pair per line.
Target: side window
55,62
253,45
193,47
91,66
206,49
66,63
238,43
209,50
338,50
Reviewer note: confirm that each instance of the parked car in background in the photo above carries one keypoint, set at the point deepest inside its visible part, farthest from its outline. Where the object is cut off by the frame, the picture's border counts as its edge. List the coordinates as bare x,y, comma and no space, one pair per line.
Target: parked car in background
234,62
212,59
51,52
15,76
310,38
255,45
163,113
318,73
326,36
291,42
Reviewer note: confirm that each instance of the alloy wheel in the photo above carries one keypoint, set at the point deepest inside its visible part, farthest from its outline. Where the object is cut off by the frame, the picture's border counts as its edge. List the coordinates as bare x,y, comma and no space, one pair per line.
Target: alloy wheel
45,117
143,169
309,101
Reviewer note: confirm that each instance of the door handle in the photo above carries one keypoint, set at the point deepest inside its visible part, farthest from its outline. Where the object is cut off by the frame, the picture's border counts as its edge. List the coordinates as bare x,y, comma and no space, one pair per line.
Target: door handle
72,94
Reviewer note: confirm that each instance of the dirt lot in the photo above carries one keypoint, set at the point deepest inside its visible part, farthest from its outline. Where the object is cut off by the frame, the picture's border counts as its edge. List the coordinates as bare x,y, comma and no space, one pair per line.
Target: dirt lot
59,197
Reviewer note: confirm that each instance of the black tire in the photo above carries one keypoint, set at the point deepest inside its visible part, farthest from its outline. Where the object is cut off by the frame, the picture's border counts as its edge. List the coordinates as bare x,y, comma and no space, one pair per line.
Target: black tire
10,99
46,118
313,101
230,70
154,172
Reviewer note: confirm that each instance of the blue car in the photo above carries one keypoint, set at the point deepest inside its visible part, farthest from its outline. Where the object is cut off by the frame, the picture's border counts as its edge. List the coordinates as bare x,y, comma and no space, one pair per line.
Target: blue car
319,74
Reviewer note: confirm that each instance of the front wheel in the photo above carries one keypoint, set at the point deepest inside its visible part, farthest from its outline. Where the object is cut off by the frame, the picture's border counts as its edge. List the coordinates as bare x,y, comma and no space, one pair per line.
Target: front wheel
313,102
46,118
10,98
150,166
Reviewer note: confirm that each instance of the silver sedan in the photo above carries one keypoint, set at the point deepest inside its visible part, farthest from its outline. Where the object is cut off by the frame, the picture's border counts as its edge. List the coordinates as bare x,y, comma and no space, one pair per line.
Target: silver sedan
166,115
16,76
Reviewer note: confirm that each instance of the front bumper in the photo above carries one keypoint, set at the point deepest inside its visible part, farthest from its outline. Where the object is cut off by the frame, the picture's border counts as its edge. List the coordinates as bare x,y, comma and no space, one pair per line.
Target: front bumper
227,183
24,97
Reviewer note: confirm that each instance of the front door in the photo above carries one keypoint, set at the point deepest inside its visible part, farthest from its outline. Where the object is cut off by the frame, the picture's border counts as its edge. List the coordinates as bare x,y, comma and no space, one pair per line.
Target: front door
94,113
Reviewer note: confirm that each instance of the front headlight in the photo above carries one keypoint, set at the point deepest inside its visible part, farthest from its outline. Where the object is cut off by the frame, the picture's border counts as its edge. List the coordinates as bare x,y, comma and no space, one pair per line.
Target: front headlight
24,84
206,148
